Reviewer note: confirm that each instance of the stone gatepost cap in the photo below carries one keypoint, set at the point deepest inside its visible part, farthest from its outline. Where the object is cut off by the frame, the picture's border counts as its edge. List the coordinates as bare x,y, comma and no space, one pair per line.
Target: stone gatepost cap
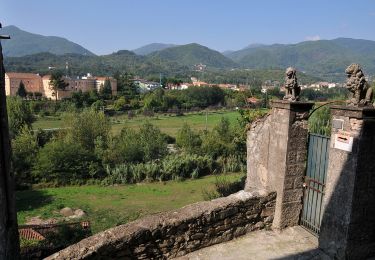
354,112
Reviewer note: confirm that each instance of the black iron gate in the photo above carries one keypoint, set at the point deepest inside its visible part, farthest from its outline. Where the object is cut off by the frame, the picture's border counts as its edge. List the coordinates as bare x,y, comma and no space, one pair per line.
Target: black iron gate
316,173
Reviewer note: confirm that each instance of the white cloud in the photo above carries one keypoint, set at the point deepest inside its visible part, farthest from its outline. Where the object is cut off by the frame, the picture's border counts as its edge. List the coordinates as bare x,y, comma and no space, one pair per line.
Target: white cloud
372,13
312,38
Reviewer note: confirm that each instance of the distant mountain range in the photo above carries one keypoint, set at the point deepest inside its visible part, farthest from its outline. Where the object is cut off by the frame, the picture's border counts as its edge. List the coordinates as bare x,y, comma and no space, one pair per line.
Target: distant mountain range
24,43
191,54
326,59
149,48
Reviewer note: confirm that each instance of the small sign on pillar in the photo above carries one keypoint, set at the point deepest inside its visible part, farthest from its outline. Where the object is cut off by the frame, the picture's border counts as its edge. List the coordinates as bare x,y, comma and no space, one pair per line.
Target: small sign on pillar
343,141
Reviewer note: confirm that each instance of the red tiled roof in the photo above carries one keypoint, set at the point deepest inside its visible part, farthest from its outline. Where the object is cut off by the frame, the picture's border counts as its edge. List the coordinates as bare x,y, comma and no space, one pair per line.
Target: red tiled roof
22,75
252,100
30,234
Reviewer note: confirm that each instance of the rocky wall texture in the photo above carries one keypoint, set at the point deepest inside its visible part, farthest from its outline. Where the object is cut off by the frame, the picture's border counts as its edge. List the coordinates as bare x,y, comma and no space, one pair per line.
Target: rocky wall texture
348,222
176,233
276,158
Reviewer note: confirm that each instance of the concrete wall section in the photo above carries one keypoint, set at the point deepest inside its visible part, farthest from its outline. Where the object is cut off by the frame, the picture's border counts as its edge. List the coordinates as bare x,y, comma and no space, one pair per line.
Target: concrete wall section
276,154
348,223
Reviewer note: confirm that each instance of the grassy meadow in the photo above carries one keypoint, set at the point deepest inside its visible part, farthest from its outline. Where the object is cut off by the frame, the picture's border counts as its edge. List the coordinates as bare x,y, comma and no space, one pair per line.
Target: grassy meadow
168,124
114,205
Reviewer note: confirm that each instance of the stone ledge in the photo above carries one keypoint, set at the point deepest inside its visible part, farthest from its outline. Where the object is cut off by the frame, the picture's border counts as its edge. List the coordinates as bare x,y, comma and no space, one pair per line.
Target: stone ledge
354,112
294,106
175,233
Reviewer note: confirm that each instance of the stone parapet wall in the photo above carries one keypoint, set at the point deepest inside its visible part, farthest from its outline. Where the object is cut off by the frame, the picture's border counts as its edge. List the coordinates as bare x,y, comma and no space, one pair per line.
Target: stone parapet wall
176,233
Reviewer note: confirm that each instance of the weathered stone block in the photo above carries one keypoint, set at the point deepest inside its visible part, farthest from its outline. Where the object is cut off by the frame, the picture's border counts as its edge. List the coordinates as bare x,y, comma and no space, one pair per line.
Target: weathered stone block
293,195
295,169
197,236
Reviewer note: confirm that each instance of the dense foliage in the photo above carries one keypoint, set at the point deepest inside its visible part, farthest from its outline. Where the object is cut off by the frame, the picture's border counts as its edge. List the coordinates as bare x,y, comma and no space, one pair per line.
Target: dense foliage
83,150
19,115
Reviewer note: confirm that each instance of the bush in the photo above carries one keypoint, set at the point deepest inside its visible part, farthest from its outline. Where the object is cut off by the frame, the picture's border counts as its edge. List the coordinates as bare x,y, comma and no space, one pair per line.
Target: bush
148,144
24,151
19,115
85,127
231,163
320,121
65,163
176,167
125,148
119,104
173,167
188,139
223,188
132,173
153,142
250,115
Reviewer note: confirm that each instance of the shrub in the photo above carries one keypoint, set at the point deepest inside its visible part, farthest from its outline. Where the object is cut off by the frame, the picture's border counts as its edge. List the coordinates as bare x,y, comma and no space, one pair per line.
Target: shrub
24,151
132,173
65,163
188,139
125,148
119,104
223,188
231,163
250,115
320,121
153,142
148,144
173,167
178,167
85,127
19,115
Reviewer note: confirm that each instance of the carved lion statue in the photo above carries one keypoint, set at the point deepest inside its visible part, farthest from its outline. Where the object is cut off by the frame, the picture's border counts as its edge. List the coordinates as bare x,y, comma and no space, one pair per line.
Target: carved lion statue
361,91
292,89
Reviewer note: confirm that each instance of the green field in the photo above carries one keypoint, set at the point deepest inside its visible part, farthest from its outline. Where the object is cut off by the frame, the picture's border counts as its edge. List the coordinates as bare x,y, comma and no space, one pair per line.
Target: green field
167,124
110,206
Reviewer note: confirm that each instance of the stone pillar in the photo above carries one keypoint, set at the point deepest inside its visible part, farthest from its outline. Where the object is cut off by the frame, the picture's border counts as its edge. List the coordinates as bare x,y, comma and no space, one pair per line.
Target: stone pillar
276,157
348,223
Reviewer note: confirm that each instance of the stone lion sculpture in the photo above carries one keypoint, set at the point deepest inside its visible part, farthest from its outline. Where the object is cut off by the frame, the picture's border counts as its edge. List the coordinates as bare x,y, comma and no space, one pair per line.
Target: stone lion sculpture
292,89
361,91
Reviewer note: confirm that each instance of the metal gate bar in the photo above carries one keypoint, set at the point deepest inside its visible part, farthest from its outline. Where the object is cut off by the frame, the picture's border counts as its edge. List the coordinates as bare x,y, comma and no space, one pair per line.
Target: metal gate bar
315,182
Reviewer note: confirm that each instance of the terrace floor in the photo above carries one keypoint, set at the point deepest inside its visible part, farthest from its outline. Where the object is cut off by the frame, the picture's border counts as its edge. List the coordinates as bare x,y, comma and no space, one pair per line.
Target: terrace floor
291,243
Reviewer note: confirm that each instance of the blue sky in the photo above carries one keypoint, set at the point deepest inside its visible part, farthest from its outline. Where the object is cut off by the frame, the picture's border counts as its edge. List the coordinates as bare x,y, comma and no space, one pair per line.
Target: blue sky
106,26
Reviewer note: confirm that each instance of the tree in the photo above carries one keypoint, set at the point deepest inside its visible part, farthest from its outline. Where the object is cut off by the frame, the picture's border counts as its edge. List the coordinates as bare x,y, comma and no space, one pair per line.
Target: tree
119,104
19,115
147,144
57,83
21,91
85,127
106,90
125,85
24,151
187,139
153,142
64,162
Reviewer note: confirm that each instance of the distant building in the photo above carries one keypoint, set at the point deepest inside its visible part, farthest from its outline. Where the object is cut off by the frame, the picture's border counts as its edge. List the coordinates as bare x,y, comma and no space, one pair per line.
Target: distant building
32,82
35,83
145,86
99,84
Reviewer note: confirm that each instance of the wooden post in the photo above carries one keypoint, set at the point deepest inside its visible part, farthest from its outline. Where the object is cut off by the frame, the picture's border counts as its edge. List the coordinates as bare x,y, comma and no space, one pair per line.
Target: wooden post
9,240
